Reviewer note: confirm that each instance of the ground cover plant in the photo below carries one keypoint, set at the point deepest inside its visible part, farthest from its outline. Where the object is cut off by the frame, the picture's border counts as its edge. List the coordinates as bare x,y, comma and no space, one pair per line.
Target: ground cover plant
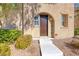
9,35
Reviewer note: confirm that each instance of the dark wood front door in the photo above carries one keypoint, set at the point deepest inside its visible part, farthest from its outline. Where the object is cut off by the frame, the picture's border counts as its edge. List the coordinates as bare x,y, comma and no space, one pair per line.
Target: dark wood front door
43,25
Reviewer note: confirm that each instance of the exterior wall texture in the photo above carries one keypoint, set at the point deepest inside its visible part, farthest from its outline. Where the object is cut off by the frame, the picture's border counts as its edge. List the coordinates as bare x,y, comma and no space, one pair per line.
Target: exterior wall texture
76,18
56,10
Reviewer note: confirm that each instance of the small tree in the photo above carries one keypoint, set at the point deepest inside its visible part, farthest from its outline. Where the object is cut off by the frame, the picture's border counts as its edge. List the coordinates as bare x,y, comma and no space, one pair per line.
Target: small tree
29,11
7,8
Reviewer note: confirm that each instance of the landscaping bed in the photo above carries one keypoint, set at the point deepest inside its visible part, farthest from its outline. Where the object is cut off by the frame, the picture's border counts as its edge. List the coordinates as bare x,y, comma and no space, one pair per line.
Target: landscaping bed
65,47
32,50
12,43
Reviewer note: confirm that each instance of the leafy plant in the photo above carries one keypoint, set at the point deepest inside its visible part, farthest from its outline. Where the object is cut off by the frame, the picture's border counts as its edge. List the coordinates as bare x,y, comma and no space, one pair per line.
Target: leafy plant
76,31
7,35
23,42
4,50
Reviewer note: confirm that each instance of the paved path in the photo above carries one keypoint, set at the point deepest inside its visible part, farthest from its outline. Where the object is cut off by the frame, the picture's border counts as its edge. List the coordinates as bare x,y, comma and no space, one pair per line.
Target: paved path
48,48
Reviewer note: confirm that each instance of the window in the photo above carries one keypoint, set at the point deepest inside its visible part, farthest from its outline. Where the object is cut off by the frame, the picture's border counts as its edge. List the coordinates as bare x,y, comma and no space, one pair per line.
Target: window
65,20
36,20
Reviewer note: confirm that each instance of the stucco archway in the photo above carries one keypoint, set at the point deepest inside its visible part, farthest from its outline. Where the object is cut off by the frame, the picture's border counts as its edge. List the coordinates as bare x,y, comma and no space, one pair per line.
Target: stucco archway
51,24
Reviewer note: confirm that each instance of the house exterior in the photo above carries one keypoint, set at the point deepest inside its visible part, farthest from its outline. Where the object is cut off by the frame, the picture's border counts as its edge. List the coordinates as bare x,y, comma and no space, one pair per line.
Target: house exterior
54,21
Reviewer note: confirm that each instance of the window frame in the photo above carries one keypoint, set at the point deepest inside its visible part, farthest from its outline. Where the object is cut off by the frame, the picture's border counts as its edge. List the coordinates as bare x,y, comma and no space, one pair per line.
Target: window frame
65,20
37,21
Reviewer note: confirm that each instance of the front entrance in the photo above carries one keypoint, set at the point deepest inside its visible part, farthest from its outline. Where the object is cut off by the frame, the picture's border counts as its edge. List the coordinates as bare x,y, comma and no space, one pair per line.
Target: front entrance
43,25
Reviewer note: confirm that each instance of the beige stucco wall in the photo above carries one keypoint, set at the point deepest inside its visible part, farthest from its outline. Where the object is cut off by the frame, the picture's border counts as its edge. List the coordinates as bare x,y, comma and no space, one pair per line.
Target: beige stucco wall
55,10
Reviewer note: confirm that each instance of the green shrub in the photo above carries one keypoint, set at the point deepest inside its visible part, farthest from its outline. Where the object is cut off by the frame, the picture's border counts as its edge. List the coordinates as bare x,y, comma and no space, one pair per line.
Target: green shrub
23,41
76,31
7,35
4,50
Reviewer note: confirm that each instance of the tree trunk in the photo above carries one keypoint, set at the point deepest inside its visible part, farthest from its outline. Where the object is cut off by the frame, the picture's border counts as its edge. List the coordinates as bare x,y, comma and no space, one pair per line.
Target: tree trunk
6,22
6,19
22,19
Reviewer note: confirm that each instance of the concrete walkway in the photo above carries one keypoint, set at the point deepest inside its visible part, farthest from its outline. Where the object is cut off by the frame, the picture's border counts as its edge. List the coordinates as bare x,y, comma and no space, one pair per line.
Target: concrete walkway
48,48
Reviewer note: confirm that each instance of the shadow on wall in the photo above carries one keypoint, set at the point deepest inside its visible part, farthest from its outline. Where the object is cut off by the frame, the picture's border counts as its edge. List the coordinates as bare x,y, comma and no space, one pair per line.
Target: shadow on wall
9,26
